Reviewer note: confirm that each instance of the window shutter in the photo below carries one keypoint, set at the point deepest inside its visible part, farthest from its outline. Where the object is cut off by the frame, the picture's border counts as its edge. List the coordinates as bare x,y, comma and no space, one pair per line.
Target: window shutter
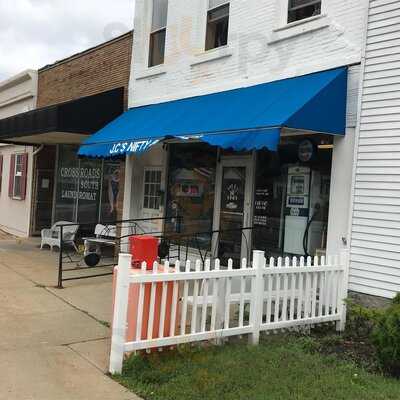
24,175
11,176
1,170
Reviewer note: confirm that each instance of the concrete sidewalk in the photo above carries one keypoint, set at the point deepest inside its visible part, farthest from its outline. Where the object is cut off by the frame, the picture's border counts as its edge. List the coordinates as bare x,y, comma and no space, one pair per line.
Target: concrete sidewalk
53,343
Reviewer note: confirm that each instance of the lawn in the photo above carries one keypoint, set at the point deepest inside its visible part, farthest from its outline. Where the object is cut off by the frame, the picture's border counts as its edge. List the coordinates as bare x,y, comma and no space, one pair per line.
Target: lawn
281,367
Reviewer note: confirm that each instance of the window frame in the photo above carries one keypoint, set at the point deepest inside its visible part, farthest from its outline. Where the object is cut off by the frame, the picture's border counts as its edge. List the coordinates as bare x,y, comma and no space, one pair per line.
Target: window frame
208,11
153,32
158,195
18,156
309,3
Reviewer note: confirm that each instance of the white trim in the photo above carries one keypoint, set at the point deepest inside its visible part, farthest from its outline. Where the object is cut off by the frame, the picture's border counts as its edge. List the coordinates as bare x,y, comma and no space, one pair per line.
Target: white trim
211,55
17,79
29,94
300,27
283,10
357,129
151,72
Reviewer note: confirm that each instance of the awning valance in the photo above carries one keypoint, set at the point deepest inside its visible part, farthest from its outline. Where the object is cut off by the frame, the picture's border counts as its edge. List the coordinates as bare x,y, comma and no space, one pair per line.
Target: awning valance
241,119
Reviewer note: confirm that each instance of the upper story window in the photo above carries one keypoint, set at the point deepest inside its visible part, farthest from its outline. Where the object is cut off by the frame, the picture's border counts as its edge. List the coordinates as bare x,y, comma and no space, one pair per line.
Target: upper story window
217,24
301,9
158,32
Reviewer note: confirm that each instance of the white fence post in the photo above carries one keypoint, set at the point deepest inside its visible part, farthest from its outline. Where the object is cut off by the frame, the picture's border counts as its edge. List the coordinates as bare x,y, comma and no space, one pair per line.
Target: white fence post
344,286
120,313
256,306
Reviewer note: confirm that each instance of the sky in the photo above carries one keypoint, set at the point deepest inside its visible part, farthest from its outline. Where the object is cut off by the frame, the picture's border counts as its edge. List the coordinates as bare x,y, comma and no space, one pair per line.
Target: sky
34,33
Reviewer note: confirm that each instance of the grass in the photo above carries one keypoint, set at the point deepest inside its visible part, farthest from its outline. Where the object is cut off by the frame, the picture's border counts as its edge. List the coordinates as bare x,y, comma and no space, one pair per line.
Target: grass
281,367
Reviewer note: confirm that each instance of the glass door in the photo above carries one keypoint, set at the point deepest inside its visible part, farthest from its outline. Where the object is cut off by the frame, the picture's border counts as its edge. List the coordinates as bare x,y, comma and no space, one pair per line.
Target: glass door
232,217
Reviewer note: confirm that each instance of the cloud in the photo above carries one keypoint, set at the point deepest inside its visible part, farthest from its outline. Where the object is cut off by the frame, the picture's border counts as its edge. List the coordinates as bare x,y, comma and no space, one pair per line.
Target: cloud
34,33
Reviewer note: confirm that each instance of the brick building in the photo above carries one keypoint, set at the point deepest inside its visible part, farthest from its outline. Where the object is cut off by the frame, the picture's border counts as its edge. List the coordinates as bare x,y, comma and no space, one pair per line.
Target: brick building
75,97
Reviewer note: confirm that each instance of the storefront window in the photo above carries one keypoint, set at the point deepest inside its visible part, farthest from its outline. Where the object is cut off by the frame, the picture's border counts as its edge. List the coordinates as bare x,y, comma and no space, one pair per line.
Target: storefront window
87,189
90,172
291,198
190,194
67,184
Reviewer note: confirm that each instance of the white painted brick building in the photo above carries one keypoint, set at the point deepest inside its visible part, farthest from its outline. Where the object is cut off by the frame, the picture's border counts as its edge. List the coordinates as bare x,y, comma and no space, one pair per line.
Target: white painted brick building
261,48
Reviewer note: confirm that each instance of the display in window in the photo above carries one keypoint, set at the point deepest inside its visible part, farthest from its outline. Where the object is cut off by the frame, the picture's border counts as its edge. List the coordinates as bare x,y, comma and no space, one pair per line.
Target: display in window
190,193
111,191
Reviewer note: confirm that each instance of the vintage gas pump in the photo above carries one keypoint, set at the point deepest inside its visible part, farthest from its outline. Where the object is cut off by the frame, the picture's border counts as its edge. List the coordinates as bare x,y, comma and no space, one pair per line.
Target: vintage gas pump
304,225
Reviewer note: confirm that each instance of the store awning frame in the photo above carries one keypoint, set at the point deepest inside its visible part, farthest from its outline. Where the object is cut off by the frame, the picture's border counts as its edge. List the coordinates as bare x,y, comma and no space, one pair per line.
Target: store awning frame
241,119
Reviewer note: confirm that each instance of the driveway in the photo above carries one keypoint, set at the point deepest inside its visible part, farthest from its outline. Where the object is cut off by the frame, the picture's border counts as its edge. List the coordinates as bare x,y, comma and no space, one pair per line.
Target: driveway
53,343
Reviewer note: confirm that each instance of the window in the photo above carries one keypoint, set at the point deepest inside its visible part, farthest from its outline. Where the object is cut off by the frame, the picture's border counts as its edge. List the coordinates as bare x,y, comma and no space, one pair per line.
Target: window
152,189
18,171
158,32
217,24
87,190
190,193
301,9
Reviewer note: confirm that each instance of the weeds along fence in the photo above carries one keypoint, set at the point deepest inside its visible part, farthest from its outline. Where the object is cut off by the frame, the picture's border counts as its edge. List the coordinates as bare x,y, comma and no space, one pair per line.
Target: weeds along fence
169,306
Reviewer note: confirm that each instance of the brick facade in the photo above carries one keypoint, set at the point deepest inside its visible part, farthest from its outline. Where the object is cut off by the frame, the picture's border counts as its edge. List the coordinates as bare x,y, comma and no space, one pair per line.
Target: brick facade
96,70
102,68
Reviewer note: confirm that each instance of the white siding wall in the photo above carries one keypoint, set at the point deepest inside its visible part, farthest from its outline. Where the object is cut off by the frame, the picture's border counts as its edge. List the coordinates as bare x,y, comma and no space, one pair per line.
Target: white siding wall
375,230
15,214
17,95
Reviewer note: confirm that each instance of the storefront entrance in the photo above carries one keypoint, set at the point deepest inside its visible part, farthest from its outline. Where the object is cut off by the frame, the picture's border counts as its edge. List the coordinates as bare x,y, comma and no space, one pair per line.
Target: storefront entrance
231,203
232,215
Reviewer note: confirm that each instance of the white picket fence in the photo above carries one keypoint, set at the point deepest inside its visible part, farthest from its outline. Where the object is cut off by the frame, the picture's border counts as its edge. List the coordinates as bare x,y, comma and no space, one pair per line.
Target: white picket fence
216,302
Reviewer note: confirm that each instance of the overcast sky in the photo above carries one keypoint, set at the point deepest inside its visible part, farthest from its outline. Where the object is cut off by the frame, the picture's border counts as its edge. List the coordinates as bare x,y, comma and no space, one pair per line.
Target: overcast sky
34,33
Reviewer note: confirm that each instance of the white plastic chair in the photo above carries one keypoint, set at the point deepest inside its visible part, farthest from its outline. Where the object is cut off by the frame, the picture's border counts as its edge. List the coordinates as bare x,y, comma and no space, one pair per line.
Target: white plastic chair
51,237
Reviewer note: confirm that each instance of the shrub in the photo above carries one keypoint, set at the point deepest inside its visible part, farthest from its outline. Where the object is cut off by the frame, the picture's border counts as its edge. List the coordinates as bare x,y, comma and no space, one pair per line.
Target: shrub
360,320
386,338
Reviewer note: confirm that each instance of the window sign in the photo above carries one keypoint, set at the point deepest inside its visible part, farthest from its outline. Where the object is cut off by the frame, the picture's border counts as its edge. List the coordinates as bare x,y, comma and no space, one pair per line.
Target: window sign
233,186
87,189
90,175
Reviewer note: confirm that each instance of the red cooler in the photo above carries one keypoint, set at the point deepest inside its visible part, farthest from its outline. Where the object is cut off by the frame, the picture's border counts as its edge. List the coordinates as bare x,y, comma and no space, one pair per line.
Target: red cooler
143,248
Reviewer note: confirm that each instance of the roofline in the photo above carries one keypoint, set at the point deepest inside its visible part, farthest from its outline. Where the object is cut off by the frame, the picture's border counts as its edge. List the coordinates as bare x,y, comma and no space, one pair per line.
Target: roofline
18,78
87,51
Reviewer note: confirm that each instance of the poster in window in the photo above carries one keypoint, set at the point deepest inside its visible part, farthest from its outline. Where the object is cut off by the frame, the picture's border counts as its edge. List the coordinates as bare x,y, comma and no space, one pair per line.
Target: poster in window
262,201
111,191
233,188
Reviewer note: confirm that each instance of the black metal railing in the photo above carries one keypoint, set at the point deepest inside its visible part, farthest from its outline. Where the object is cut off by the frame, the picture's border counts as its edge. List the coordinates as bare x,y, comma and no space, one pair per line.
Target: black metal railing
173,245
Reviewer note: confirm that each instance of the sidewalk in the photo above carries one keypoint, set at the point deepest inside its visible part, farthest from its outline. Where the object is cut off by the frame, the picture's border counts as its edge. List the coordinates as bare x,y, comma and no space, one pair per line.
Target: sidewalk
53,343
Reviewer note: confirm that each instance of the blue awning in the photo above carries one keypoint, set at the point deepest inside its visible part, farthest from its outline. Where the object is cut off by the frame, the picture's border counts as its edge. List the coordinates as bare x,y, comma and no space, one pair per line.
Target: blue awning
242,119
